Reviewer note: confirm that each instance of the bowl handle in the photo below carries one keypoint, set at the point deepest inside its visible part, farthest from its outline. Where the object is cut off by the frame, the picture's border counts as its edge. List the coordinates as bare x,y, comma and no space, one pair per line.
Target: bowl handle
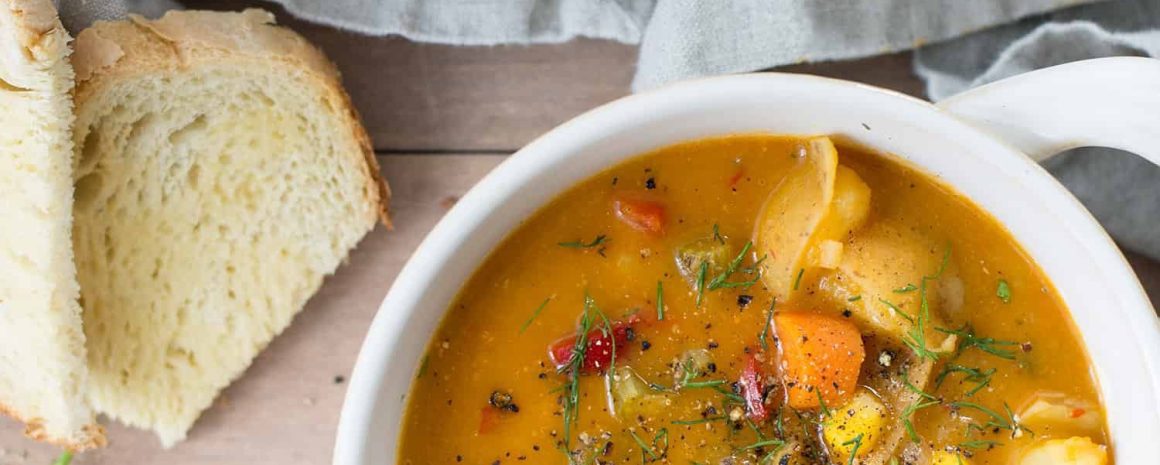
1104,102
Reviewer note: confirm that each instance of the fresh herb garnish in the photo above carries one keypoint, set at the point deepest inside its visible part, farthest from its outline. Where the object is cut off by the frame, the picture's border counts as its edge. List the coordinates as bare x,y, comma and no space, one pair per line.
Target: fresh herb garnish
822,403
896,310
912,388
981,378
916,337
1008,422
534,315
581,245
1003,291
720,281
905,289
857,443
979,444
908,417
764,336
777,443
717,234
699,420
654,452
64,458
576,363
701,281
660,301
798,280
854,299
989,345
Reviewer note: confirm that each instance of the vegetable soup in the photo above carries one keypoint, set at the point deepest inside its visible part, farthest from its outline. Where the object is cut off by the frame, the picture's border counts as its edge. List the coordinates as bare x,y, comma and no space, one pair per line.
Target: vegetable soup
757,299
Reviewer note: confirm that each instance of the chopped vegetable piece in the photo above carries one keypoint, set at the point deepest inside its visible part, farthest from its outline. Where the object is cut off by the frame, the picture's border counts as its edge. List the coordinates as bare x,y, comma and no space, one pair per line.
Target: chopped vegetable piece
488,420
1059,414
818,352
643,215
597,350
1070,451
1003,291
864,416
632,396
753,391
705,252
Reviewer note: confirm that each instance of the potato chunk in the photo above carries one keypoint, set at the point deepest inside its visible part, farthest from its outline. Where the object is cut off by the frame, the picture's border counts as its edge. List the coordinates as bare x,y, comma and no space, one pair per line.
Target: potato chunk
1061,415
1070,451
861,421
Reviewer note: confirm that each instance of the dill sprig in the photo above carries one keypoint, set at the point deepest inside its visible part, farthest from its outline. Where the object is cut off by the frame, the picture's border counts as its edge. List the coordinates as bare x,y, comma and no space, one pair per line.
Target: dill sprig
777,443
701,275
822,403
989,345
721,280
981,378
907,288
916,337
798,280
908,417
699,420
65,458
577,244
857,443
572,369
660,301
997,420
534,315
764,335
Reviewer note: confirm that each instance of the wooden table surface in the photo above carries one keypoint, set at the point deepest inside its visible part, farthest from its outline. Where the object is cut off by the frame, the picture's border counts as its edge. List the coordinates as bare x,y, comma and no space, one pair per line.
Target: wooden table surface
441,117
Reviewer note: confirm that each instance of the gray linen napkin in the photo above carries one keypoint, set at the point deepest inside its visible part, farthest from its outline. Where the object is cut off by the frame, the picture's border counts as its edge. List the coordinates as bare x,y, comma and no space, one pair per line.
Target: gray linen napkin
689,38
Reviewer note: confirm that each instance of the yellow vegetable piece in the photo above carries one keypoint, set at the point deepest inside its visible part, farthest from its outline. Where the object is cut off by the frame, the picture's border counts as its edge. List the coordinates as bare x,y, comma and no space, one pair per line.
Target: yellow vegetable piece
1060,415
818,202
864,416
883,267
792,214
942,457
1070,451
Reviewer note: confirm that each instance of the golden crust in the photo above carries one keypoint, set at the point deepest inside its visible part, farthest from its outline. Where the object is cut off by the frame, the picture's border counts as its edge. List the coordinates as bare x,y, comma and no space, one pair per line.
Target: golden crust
94,434
38,42
110,51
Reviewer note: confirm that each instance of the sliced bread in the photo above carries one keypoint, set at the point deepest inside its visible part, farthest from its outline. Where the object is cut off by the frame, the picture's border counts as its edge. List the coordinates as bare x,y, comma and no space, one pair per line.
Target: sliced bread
42,346
221,175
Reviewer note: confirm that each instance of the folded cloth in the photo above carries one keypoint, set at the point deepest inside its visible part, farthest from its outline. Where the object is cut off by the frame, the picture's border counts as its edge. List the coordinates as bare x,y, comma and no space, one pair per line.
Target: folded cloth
1122,190
681,39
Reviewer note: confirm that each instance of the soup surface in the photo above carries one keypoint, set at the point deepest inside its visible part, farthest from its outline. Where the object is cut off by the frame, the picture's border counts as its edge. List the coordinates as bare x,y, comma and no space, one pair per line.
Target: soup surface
757,299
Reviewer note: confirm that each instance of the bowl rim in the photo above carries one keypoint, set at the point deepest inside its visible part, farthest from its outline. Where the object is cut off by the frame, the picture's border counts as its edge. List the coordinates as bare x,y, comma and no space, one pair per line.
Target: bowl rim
474,207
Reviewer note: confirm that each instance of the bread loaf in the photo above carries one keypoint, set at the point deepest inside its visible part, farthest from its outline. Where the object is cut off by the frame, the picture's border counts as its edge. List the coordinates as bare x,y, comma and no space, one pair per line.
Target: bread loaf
42,347
221,175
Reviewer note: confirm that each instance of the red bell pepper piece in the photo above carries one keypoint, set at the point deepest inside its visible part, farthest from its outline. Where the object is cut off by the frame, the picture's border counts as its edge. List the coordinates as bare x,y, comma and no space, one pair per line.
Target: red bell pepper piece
597,349
752,391
643,215
488,419
736,178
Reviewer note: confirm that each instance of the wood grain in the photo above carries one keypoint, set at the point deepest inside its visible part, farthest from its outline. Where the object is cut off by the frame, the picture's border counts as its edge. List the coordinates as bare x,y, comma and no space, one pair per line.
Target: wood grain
285,409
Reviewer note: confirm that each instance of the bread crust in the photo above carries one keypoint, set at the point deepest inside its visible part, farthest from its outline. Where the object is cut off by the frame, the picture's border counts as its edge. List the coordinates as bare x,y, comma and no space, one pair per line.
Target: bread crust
94,433
38,43
108,52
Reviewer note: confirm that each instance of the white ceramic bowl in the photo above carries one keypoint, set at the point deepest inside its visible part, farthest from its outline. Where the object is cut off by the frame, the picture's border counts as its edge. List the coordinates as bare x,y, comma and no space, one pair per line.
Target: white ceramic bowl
984,143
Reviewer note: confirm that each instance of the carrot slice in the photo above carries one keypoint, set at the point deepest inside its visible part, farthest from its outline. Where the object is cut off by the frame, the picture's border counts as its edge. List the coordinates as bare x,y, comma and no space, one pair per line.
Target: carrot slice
818,354
643,215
